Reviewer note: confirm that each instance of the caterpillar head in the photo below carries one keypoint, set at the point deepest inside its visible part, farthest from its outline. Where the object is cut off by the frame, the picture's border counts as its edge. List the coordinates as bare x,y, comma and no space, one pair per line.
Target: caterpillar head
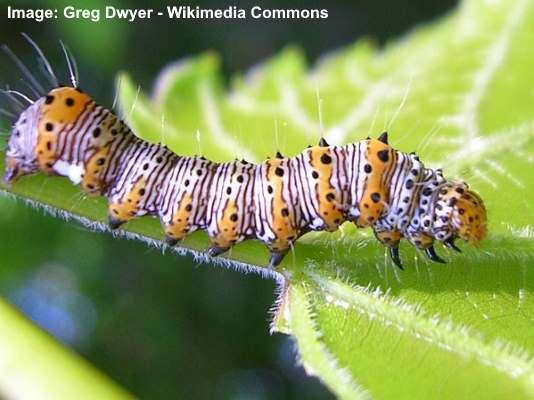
468,218
20,154
459,212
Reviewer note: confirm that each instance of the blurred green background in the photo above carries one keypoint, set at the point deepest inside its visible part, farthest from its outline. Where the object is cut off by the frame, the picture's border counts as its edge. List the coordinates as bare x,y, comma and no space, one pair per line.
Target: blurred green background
161,325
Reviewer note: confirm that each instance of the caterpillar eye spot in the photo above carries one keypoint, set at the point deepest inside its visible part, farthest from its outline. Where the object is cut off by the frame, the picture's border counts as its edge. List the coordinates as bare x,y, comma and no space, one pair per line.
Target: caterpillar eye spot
375,197
383,155
326,159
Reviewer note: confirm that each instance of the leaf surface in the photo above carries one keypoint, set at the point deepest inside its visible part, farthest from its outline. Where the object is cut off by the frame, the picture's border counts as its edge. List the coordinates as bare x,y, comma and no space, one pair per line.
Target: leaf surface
459,92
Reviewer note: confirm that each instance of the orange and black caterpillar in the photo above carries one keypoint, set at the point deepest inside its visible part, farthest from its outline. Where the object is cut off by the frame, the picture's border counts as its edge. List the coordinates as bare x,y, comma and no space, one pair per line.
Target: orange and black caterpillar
64,132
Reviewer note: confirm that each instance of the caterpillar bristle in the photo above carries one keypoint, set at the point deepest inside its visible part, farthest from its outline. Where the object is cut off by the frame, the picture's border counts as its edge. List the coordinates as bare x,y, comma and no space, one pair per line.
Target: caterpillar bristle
7,113
34,92
71,65
323,142
279,155
13,101
25,71
51,75
383,137
18,94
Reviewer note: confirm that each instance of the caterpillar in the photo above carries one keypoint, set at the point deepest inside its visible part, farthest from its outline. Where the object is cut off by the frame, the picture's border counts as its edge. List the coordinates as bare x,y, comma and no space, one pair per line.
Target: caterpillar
65,132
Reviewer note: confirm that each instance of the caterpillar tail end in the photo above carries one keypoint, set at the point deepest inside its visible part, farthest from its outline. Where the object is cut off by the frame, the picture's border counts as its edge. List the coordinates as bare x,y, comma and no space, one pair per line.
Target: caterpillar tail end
276,258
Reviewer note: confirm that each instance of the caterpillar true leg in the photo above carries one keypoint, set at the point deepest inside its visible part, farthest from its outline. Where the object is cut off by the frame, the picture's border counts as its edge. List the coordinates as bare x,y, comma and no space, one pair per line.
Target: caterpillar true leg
431,254
394,254
391,239
450,244
369,183
276,257
215,251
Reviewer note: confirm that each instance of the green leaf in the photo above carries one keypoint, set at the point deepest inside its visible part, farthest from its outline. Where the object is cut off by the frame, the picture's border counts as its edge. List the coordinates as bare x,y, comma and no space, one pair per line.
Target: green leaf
35,366
459,92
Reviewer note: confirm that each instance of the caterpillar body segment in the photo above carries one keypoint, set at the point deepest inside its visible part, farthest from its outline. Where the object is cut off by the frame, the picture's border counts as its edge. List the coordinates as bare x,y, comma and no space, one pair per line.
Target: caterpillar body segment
369,183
